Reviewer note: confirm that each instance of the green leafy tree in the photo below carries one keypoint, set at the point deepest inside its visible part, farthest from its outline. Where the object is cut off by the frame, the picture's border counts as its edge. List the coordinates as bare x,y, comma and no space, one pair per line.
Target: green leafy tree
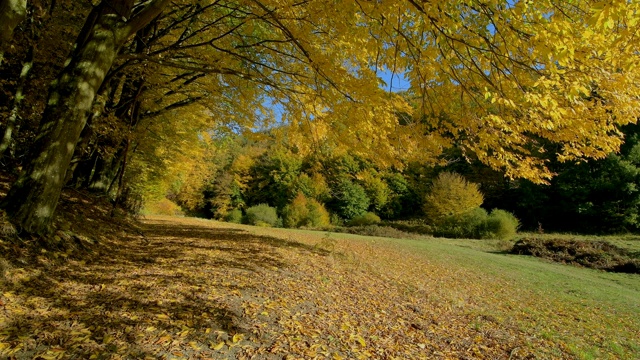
275,177
376,188
350,199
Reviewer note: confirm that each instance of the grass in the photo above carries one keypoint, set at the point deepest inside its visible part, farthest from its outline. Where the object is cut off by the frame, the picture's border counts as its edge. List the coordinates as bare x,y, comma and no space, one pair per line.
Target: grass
193,288
596,314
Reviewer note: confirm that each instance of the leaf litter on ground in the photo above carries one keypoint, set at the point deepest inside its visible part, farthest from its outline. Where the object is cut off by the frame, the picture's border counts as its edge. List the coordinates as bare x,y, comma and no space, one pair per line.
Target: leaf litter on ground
197,289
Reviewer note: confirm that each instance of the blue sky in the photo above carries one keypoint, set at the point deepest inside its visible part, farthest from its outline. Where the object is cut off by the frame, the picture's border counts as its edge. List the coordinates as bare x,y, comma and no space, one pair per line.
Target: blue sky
400,82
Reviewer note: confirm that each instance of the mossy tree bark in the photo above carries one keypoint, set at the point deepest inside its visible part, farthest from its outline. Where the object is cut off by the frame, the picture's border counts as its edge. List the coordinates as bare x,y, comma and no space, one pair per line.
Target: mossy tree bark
12,12
32,199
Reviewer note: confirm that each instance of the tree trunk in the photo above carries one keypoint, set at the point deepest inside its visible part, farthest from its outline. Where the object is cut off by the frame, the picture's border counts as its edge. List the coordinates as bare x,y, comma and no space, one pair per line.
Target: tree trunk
123,168
79,173
105,172
12,12
12,121
32,199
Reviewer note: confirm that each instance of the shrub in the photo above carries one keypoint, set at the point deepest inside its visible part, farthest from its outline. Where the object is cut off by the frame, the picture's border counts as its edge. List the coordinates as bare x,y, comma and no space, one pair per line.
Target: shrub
305,212
594,254
375,230
478,224
318,215
336,220
501,224
451,195
416,226
262,215
365,219
234,216
294,215
471,224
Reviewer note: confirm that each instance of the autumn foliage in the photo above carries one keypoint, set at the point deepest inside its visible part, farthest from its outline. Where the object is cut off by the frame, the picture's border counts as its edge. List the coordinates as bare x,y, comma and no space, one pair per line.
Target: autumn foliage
305,212
451,195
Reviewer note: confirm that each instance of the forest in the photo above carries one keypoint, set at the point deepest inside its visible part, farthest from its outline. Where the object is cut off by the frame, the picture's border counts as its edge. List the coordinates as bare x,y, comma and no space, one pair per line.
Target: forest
592,197
198,134
223,106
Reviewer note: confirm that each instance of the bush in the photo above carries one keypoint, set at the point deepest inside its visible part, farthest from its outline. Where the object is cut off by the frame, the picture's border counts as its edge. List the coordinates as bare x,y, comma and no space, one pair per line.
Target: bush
415,226
262,215
471,224
336,220
375,230
294,215
450,196
502,225
594,254
478,224
318,215
305,212
365,219
234,216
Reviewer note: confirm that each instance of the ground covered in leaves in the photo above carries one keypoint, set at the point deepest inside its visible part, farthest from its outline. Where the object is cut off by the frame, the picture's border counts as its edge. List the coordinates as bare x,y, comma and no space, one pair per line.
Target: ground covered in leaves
187,288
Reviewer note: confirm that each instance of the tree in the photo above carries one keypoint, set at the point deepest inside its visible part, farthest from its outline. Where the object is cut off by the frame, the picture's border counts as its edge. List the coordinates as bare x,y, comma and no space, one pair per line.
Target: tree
12,12
560,71
451,195
32,199
350,199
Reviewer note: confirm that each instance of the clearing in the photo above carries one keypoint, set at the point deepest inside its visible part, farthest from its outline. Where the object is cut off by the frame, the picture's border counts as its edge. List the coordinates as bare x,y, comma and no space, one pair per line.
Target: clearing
200,289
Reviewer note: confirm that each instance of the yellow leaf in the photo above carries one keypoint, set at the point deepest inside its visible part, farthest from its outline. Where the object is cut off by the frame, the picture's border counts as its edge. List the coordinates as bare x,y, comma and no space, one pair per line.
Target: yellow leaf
218,346
163,339
237,337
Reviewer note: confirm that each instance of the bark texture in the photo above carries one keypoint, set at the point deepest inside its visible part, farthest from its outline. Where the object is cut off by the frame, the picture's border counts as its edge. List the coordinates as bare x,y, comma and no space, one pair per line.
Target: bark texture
12,12
12,121
32,199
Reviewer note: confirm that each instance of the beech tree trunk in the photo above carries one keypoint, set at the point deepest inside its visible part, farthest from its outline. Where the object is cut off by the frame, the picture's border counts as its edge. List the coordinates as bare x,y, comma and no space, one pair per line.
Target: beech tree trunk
12,12
12,121
32,199
105,172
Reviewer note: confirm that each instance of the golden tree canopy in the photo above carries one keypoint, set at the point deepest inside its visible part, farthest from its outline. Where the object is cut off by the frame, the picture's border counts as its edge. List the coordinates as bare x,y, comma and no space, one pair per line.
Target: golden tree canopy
507,81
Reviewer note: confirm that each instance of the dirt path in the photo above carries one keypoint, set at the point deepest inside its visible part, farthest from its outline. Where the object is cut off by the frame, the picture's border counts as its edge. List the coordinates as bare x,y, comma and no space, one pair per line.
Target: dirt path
204,290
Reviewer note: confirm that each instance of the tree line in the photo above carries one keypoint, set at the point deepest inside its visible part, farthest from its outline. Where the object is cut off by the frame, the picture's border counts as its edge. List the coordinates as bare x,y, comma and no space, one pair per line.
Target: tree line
596,196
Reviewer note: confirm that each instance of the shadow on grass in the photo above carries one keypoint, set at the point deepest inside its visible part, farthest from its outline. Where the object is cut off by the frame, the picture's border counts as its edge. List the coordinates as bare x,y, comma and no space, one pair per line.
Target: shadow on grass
167,293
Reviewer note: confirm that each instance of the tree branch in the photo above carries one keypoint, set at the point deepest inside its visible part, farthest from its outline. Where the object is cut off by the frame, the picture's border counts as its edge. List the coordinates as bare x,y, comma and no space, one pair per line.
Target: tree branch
145,16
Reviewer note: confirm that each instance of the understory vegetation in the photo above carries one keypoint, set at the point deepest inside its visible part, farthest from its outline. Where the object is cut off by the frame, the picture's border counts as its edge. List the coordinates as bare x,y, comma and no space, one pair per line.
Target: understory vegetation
597,254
